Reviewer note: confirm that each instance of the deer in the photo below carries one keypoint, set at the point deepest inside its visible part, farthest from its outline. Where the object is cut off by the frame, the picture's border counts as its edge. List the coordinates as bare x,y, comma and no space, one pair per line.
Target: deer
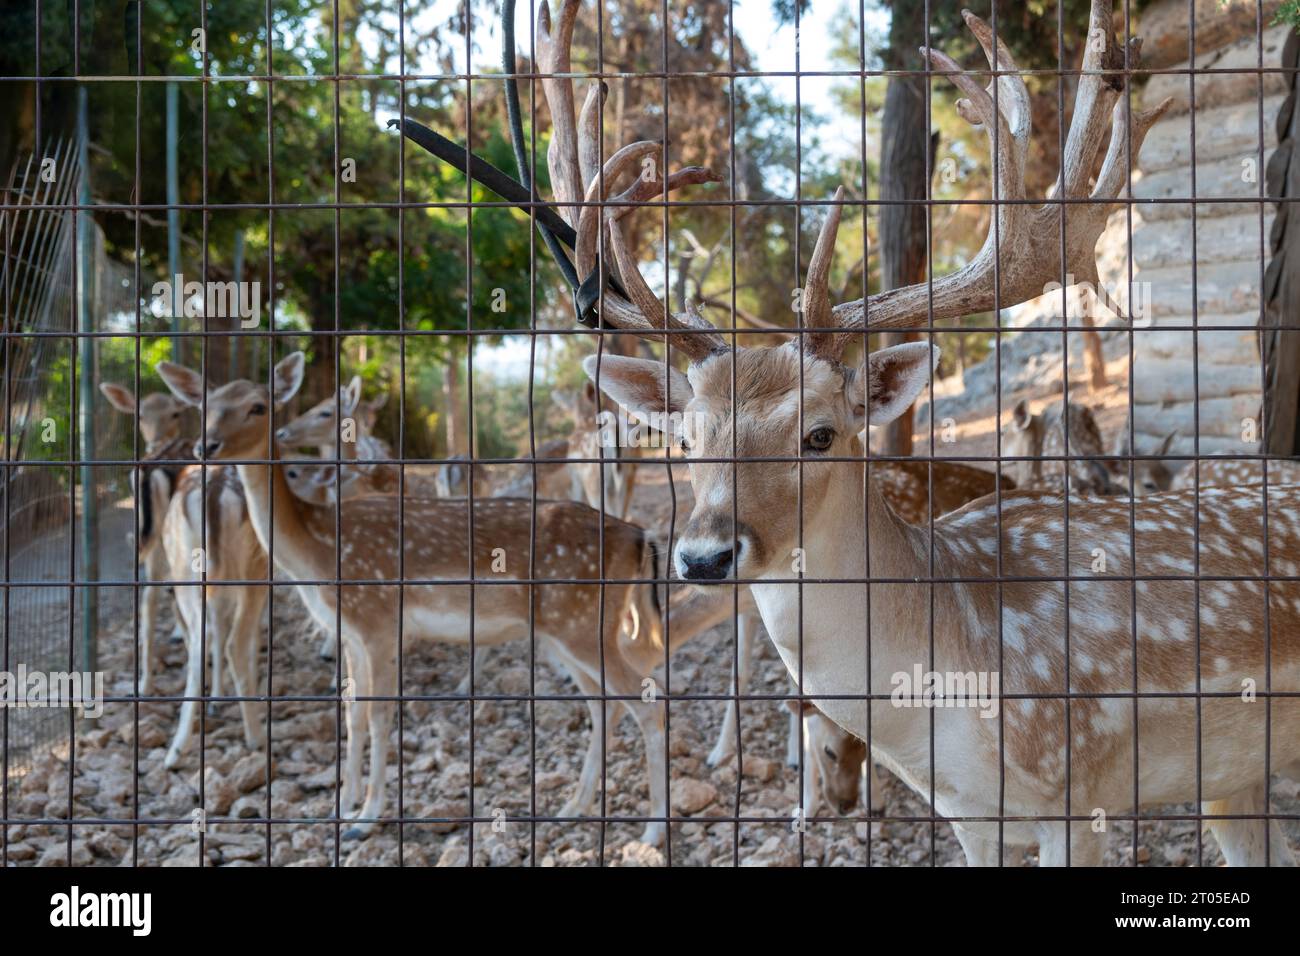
837,761
173,512
784,503
1153,475
566,617
160,418
598,464
1067,441
207,528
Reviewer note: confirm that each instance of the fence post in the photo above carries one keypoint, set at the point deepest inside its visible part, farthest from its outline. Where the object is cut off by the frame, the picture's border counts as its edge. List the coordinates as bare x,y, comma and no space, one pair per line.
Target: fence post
86,399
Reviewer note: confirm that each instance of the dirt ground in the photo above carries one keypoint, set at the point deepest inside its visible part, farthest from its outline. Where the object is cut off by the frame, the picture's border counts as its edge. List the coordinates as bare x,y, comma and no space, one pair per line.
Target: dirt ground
514,748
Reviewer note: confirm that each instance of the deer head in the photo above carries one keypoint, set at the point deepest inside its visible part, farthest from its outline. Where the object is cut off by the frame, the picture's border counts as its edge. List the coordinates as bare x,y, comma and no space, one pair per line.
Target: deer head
238,417
773,410
316,426
160,414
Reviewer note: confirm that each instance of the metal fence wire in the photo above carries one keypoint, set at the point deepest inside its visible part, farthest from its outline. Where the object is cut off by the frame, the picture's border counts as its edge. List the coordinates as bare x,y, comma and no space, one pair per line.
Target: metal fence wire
582,377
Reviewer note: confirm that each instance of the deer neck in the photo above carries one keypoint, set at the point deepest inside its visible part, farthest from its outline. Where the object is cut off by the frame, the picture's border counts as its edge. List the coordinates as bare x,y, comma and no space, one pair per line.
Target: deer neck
273,508
852,524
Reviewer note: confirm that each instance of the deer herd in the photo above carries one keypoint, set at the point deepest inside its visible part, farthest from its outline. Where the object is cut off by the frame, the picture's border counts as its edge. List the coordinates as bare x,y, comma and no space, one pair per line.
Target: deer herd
1119,605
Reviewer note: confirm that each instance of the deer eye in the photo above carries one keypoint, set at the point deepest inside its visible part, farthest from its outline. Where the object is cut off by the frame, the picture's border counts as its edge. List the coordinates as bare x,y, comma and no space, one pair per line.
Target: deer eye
819,439
831,754
257,409
326,413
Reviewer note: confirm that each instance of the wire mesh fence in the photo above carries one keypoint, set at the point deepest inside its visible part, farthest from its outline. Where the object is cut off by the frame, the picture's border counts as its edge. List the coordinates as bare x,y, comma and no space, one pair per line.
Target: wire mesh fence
418,462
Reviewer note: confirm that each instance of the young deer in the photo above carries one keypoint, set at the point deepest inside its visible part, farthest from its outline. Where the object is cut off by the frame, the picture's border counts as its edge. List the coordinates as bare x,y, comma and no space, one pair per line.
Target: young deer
1041,440
160,418
438,603
172,514
982,595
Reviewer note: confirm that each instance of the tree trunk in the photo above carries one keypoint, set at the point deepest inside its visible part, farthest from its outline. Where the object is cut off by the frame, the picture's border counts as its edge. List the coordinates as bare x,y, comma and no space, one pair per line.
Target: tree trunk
903,163
453,412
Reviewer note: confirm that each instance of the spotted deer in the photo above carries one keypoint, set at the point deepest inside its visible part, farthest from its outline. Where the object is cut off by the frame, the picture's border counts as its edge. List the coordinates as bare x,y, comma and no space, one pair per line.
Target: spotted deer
837,761
1048,460
160,419
566,616
180,505
980,599
1153,475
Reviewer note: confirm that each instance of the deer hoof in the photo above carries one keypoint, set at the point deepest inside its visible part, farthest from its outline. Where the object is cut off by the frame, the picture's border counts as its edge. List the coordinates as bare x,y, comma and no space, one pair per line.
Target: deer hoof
359,832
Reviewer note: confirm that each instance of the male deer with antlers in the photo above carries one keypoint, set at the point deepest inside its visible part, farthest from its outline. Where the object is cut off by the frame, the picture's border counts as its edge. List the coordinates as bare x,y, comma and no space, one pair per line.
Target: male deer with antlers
985,591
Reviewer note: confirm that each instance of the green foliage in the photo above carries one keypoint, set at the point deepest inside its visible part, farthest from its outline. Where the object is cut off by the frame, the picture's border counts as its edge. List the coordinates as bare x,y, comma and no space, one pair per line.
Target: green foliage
1288,14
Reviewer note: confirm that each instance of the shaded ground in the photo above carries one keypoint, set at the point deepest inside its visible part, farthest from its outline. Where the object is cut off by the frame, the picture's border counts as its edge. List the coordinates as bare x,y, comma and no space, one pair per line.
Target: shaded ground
518,754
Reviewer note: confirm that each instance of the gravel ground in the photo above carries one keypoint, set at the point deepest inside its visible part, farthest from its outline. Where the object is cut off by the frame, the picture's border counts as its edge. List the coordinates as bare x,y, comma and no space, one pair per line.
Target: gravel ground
436,772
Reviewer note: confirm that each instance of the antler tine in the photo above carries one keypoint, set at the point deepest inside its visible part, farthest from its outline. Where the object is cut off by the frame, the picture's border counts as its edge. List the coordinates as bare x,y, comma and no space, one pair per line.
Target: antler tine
1018,251
817,294
1093,101
554,41
621,162
589,133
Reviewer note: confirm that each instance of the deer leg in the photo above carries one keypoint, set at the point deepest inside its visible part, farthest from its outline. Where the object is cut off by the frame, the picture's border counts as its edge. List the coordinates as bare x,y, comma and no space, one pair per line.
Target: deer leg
812,786
356,715
480,655
188,601
589,779
1086,847
241,644
384,683
1243,842
876,793
650,719
155,569
725,748
329,644
979,843
219,624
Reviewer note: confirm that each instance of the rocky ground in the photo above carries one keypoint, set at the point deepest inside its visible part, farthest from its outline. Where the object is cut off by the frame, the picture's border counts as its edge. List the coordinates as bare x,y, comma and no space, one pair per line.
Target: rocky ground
516,750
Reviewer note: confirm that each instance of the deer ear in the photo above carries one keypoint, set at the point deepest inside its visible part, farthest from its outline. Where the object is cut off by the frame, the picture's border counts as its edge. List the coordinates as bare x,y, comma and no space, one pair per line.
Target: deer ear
119,397
641,386
1020,416
1167,444
186,384
287,377
890,380
350,396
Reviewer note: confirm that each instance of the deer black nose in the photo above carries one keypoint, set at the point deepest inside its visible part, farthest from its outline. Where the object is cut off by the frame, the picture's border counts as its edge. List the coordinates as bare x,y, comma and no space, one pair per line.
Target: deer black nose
282,433
206,449
846,807
710,566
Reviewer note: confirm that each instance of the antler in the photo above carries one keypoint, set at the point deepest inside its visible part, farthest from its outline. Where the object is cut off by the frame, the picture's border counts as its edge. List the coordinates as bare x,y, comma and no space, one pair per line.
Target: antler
577,176
1024,240
1020,257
